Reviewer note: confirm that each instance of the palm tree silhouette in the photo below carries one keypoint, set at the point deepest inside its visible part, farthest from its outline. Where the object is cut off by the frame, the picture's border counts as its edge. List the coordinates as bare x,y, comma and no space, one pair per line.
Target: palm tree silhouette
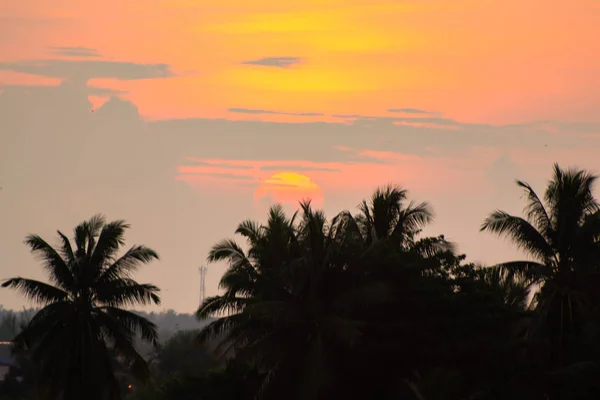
72,339
562,236
289,304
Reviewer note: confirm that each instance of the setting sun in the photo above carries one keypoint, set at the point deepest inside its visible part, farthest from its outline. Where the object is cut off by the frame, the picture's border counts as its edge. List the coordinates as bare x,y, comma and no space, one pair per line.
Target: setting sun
288,188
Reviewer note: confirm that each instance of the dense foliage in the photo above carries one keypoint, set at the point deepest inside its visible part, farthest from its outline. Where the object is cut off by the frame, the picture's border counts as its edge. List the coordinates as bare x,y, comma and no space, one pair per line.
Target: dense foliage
363,306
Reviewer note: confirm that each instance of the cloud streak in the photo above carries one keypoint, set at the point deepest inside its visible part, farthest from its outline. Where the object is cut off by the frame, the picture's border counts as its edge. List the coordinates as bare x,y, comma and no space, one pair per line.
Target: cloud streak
78,51
411,111
89,90
277,62
83,70
297,168
270,112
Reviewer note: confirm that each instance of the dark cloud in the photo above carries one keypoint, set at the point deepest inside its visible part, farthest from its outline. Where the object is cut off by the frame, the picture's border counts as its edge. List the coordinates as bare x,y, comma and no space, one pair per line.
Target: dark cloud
279,62
83,70
269,112
78,51
411,111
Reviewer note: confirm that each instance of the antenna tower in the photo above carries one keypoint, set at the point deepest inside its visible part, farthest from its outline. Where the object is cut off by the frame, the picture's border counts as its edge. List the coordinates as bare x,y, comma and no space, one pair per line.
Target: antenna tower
202,271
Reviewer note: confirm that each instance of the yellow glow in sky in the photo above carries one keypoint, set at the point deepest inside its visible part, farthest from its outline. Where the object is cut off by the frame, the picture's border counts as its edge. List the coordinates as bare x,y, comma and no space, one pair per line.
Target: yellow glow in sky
288,188
473,60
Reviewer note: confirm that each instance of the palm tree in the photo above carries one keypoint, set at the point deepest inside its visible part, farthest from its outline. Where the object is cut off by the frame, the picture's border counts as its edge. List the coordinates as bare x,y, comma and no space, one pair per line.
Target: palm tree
385,222
562,236
82,322
288,302
386,216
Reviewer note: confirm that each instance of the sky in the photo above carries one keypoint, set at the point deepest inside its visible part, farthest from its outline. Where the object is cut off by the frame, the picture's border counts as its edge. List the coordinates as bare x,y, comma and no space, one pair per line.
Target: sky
185,117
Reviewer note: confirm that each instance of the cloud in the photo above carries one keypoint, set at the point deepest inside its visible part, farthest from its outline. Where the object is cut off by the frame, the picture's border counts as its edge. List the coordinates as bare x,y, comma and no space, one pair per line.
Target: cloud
411,111
227,146
269,112
84,70
279,62
217,164
416,122
89,90
321,141
229,176
78,51
297,168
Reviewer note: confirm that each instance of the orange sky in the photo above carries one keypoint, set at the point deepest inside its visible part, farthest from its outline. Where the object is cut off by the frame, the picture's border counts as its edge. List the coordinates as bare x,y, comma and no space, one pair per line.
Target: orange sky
473,60
468,95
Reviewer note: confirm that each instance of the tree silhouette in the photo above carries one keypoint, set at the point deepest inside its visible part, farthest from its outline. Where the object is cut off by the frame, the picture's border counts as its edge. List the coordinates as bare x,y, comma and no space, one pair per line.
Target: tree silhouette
561,234
72,339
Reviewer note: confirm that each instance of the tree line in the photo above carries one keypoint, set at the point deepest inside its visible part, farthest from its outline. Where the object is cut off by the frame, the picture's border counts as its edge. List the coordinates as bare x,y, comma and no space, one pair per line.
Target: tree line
361,305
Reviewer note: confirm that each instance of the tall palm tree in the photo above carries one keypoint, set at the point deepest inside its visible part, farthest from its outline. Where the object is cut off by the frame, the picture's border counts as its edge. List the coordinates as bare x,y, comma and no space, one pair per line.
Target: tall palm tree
82,322
252,275
289,302
561,234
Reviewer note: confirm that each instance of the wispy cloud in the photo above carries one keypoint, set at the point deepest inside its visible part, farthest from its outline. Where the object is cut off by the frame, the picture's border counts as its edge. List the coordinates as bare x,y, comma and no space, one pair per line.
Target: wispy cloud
431,122
270,112
279,62
88,69
297,168
219,175
78,51
217,164
412,111
89,90
250,170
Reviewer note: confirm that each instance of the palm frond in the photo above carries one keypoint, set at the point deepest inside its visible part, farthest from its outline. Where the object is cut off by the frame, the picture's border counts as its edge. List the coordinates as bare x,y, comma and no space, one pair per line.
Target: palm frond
273,310
122,341
346,228
86,233
277,215
365,222
535,212
134,323
126,292
217,306
66,250
529,271
128,263
227,250
110,239
249,229
43,321
413,217
58,269
220,327
510,279
569,196
239,279
36,291
523,234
